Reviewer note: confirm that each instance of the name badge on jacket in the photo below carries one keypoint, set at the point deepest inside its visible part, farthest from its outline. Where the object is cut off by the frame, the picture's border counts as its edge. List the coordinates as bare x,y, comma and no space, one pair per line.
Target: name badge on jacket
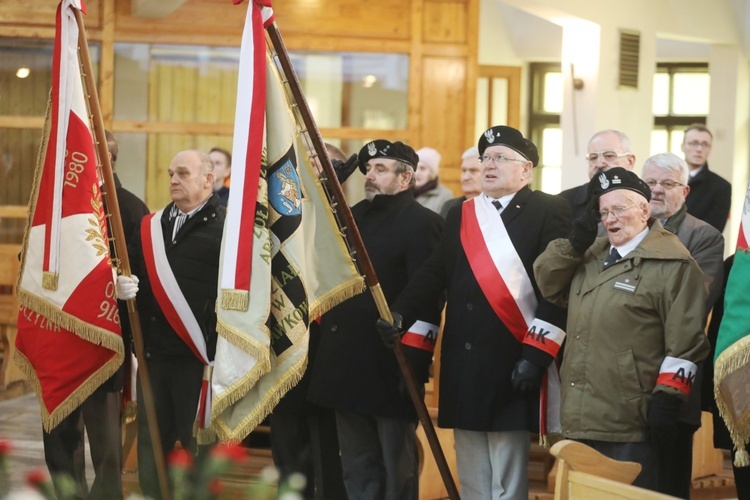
626,284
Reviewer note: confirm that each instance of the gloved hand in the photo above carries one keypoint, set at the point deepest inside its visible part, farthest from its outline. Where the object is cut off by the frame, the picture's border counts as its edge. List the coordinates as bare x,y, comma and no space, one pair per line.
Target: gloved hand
661,428
127,286
390,333
344,169
526,377
585,227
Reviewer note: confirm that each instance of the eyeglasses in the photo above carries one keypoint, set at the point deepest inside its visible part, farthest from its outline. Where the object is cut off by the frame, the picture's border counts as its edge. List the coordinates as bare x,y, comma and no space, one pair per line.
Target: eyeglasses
667,185
607,155
498,159
616,211
697,144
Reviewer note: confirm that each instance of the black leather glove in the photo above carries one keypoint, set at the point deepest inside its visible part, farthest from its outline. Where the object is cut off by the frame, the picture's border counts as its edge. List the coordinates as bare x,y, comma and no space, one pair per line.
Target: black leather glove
585,227
661,428
344,169
526,377
390,333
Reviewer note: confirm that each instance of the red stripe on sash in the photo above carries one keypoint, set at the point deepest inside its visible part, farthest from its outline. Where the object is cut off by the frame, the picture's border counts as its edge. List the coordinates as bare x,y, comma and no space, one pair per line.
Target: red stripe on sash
158,290
490,281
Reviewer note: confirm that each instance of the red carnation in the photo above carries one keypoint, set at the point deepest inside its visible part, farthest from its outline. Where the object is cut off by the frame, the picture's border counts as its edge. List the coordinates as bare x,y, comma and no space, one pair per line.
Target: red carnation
5,447
232,452
215,487
180,458
36,478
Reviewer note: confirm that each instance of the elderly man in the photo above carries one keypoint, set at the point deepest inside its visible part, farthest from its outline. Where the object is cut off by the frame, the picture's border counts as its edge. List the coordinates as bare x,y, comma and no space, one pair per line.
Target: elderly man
500,335
427,188
635,324
606,149
471,180
179,245
667,175
710,195
352,372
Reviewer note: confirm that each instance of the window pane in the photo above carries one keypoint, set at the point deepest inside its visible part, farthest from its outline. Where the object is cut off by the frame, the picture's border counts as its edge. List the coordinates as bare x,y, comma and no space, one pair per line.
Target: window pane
552,147
675,142
659,139
499,101
691,94
482,116
553,92
661,94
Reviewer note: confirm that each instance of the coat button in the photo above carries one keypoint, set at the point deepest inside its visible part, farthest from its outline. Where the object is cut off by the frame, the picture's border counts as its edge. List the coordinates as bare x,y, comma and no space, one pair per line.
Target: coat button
578,292
153,319
334,328
578,337
467,346
572,384
205,219
469,306
148,354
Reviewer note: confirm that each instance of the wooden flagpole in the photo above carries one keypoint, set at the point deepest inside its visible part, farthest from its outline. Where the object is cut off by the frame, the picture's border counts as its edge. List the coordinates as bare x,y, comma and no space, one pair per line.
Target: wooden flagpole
110,195
352,232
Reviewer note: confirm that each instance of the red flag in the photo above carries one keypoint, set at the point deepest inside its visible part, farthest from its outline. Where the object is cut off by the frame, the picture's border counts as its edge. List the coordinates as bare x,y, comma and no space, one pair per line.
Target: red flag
69,338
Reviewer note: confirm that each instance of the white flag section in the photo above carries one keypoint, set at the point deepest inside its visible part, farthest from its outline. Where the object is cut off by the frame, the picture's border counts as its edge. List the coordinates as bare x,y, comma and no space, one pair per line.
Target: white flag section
300,269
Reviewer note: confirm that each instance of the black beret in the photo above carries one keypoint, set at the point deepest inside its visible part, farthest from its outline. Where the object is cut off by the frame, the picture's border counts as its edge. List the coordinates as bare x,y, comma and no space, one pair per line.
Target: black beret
618,178
382,148
501,135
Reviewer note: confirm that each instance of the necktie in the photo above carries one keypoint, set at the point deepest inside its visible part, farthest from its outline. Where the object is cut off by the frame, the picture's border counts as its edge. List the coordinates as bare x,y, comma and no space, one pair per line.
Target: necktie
497,204
177,221
613,257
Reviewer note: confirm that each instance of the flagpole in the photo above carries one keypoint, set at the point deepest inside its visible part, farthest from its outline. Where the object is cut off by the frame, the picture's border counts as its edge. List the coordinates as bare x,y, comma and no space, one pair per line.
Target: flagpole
352,232
110,196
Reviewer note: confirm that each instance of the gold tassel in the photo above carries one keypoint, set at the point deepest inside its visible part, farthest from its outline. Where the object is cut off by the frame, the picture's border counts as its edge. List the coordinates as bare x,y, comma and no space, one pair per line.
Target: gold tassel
129,412
49,280
235,300
741,458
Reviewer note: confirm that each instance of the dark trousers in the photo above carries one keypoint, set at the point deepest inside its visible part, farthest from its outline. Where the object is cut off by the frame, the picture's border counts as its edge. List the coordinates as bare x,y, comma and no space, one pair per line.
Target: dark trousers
175,384
676,463
308,444
379,457
64,447
641,452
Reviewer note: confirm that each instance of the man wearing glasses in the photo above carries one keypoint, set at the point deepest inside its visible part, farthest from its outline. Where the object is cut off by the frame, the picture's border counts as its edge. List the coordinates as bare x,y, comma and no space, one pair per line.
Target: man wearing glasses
500,337
635,325
606,149
667,175
710,195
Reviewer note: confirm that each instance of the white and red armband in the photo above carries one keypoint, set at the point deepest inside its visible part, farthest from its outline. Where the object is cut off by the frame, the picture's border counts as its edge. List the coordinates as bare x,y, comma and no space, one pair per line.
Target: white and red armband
421,335
544,336
677,373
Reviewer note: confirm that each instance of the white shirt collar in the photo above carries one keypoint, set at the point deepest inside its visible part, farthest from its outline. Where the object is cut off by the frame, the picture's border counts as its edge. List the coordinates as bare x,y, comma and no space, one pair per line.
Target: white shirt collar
630,245
695,172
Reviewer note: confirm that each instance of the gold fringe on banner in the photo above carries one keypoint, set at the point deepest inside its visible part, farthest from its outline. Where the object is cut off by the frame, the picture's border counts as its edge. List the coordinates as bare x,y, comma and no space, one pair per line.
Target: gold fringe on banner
129,412
733,359
235,300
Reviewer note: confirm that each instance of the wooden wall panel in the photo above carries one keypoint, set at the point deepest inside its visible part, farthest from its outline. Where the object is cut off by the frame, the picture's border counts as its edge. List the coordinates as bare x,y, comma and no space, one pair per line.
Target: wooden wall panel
443,109
41,13
445,21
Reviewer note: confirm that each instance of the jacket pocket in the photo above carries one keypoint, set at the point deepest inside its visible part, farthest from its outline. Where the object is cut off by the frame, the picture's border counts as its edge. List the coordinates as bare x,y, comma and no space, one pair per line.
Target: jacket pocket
629,381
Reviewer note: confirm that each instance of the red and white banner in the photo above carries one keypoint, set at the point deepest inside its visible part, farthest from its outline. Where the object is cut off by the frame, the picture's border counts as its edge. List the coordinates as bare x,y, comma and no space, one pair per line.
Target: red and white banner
66,277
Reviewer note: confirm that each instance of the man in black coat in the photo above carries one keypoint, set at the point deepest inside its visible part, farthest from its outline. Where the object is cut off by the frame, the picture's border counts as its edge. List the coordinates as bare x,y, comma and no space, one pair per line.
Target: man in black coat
353,372
710,196
500,336
606,149
186,238
100,412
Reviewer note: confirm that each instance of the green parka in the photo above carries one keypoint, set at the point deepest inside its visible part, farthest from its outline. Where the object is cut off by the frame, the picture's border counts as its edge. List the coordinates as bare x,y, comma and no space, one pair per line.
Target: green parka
622,323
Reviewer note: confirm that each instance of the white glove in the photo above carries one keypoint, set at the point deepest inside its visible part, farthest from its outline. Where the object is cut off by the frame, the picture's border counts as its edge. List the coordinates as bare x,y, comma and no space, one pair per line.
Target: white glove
127,287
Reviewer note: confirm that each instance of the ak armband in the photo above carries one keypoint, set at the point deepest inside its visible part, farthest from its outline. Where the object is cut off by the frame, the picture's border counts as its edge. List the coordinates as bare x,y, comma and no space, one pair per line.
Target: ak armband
544,336
421,335
677,373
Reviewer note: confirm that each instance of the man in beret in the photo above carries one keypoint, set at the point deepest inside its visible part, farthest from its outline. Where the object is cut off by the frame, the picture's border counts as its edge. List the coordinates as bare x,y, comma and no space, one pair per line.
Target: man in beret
635,324
353,372
606,149
500,336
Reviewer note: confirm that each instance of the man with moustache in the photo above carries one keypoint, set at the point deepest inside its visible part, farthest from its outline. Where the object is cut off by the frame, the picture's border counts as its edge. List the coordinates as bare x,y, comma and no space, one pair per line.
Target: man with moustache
471,180
667,175
500,336
353,372
710,196
635,324
606,149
